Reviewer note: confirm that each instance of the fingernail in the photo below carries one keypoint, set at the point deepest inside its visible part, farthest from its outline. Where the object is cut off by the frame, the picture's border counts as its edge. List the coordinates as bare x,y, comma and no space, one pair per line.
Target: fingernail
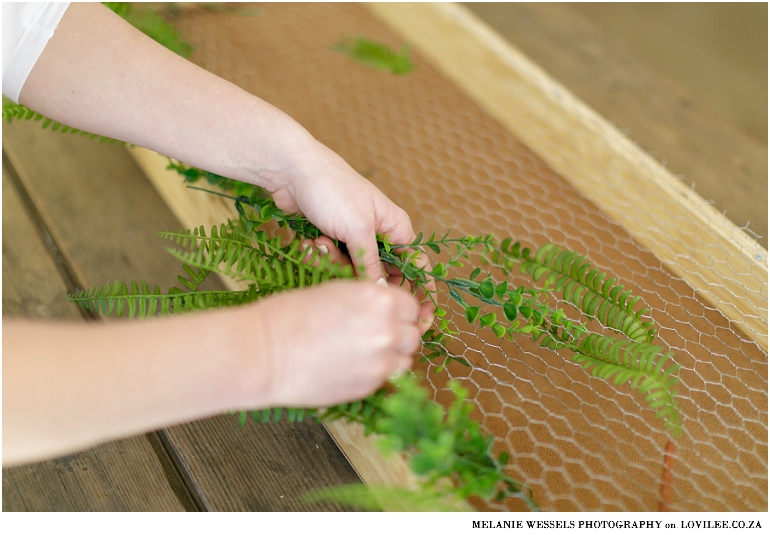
406,364
324,250
396,374
305,247
382,282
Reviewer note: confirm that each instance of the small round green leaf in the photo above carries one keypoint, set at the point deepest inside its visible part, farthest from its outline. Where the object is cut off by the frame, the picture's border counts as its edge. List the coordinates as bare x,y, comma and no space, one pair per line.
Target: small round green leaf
487,288
510,311
488,319
501,288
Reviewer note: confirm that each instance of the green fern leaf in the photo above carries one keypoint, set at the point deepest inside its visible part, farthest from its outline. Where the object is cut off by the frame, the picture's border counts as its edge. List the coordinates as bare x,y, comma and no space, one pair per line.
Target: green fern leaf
12,111
586,288
140,302
644,366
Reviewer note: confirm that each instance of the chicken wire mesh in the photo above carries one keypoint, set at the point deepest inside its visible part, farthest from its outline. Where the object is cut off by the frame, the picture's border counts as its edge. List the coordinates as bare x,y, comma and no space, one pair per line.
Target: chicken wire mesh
579,442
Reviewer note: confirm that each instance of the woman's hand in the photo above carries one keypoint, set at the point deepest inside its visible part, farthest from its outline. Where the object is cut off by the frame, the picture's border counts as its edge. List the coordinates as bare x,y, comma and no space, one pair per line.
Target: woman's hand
332,344
342,203
347,207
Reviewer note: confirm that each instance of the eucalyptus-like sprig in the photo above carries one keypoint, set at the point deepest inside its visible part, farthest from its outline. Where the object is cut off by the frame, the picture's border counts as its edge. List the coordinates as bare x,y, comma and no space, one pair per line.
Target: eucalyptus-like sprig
447,450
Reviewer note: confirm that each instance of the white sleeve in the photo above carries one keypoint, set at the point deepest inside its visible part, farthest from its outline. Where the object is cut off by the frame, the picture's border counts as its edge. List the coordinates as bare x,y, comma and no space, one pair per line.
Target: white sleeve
27,27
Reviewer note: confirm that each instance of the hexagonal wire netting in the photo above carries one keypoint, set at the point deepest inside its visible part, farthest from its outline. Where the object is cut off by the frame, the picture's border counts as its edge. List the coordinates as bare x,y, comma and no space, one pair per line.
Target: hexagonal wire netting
581,443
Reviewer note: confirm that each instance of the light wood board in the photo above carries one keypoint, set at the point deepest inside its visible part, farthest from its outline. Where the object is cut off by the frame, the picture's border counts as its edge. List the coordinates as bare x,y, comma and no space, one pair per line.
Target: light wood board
724,165
696,242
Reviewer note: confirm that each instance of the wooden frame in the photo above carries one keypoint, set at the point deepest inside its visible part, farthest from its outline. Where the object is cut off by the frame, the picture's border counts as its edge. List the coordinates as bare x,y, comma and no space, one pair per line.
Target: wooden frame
680,228
697,243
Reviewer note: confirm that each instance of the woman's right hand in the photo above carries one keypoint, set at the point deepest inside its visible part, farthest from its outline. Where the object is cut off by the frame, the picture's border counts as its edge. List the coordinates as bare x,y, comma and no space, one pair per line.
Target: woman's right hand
332,344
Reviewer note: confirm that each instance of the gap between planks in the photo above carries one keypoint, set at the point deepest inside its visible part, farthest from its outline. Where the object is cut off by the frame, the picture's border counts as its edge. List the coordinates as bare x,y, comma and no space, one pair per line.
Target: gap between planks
80,481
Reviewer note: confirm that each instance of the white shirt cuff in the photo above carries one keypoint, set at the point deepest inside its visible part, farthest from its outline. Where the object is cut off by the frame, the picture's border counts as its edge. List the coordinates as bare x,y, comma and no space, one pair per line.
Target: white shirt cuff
31,27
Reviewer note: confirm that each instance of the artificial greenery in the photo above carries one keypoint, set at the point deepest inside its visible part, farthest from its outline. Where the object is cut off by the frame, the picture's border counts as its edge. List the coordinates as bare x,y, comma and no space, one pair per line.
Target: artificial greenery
510,311
445,447
441,444
378,56
12,111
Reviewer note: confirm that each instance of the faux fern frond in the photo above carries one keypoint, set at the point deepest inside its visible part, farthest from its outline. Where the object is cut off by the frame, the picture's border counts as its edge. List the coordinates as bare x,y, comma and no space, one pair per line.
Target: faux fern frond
587,289
11,111
276,415
392,499
644,366
137,300
197,276
254,257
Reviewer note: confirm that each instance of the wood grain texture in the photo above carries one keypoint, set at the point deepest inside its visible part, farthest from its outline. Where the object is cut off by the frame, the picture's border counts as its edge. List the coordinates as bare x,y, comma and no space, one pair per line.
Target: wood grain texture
124,475
104,214
699,244
32,287
194,208
726,166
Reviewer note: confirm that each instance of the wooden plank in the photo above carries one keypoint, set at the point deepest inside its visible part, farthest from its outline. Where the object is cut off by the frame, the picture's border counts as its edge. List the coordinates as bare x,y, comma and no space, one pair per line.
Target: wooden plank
648,107
124,475
194,208
696,242
103,214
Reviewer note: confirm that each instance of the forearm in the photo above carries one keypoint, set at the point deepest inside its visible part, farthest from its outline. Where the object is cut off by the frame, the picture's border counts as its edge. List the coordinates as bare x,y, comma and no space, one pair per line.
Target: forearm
101,75
67,387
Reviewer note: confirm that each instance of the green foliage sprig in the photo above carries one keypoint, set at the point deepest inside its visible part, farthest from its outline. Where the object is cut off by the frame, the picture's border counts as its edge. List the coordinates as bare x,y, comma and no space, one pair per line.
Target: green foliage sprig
235,249
589,290
378,56
12,111
508,311
446,449
403,414
646,367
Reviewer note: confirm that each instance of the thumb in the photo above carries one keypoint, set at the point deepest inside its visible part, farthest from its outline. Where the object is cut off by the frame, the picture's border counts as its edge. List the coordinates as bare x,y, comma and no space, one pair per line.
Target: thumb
366,259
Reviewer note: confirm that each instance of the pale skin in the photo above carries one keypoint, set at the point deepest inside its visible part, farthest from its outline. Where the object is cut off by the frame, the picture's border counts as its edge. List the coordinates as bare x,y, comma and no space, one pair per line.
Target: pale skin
70,386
